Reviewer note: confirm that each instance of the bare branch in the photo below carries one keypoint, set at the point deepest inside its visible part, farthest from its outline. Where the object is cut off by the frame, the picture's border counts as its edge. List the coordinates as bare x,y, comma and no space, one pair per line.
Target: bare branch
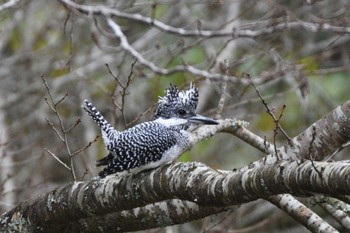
169,181
63,138
77,122
123,92
269,28
339,215
129,220
183,68
85,147
54,129
326,142
60,100
236,32
116,193
270,112
9,4
308,218
220,108
58,159
140,115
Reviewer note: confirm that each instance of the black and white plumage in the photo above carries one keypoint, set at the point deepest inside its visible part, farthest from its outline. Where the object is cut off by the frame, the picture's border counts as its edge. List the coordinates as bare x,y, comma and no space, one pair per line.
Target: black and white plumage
175,101
154,143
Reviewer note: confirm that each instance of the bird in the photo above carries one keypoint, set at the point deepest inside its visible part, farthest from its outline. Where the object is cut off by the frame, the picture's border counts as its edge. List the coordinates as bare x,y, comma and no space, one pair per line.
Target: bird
150,144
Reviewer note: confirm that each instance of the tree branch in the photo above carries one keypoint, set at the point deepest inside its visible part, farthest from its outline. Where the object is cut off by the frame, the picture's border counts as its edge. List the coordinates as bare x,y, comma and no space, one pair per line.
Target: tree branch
51,211
97,197
332,132
9,4
301,213
233,32
160,214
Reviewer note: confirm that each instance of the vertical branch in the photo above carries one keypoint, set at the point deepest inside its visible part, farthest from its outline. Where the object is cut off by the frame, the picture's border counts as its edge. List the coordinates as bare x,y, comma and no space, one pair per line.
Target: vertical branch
224,69
71,17
270,112
63,134
7,183
124,91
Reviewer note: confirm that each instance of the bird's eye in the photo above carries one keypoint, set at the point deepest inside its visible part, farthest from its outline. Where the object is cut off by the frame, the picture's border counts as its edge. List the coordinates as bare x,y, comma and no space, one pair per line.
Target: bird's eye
181,112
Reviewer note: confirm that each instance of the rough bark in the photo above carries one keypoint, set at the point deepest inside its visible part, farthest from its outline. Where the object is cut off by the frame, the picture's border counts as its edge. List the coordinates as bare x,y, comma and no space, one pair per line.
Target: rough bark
159,214
186,181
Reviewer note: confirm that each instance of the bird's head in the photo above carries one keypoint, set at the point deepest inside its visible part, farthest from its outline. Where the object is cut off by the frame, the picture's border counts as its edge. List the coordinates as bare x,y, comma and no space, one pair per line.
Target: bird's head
181,106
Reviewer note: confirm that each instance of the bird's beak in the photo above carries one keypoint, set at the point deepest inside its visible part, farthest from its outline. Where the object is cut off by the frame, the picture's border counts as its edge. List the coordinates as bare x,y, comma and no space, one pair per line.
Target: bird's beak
198,119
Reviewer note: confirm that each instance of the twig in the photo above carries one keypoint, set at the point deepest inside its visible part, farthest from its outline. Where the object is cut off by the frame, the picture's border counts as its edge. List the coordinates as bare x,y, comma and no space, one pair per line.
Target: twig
63,98
268,109
342,147
58,159
153,12
77,122
63,133
313,136
221,103
54,129
182,68
64,136
251,30
278,127
84,174
123,92
219,222
85,147
270,112
140,115
71,17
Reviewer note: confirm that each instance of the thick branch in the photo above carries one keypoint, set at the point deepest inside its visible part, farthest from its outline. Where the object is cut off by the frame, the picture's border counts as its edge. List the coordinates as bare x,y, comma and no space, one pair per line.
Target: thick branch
330,132
301,213
160,214
52,211
208,187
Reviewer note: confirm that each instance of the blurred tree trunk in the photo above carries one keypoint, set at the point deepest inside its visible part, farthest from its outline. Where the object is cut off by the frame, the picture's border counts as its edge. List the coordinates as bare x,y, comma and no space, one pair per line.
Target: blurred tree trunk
6,164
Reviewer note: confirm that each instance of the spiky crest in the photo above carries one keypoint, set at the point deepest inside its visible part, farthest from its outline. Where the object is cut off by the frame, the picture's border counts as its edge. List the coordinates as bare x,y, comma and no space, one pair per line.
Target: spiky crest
174,100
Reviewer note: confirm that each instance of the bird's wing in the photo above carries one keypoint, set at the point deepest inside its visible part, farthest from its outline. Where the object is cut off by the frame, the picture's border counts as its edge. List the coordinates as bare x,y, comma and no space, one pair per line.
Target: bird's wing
138,146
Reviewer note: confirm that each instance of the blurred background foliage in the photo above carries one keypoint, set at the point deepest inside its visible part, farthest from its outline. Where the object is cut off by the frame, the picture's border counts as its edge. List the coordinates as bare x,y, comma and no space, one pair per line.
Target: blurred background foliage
305,71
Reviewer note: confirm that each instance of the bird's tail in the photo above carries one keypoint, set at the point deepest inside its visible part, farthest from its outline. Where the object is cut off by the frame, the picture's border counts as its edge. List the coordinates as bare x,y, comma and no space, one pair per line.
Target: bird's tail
106,128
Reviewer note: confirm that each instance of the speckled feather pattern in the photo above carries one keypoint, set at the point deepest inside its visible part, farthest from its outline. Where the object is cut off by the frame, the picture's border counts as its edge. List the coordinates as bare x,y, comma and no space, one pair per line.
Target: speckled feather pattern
143,146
